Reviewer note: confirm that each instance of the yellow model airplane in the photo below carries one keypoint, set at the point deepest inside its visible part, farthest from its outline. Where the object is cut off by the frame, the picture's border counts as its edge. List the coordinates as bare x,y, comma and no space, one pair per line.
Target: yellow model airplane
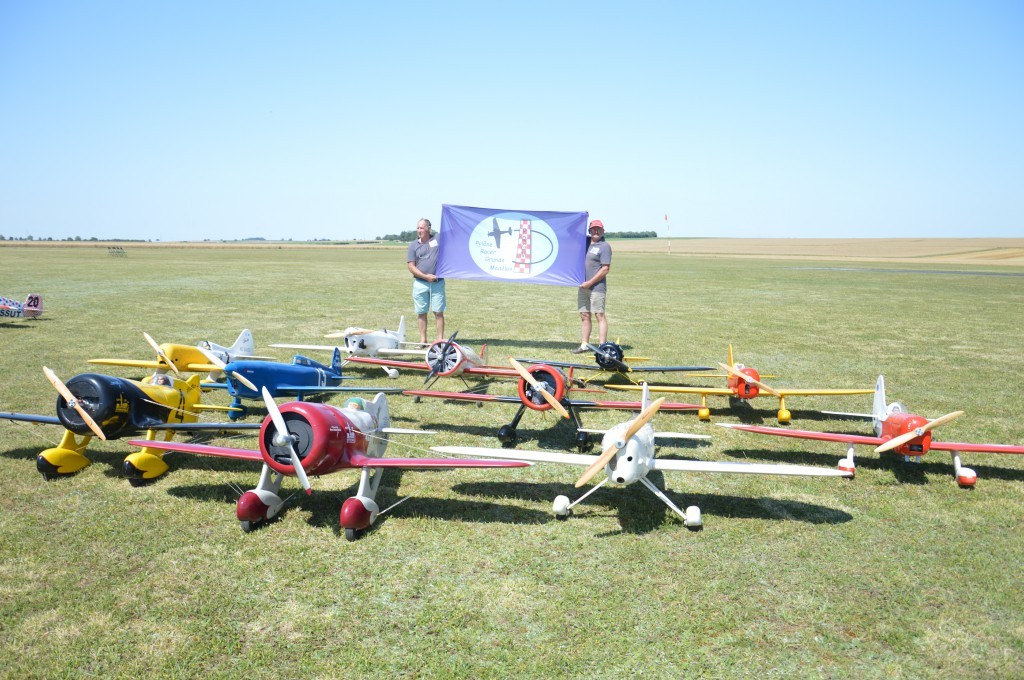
744,383
206,357
109,408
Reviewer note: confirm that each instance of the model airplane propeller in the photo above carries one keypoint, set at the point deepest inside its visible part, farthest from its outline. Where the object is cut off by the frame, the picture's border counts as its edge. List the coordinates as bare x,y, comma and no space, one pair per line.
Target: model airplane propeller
895,430
744,384
216,361
106,407
72,402
301,439
629,456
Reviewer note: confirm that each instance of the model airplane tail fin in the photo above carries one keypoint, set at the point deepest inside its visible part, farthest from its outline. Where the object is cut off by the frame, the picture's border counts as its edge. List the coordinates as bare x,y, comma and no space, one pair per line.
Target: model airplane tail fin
336,360
401,330
730,361
483,354
33,305
880,409
645,399
244,344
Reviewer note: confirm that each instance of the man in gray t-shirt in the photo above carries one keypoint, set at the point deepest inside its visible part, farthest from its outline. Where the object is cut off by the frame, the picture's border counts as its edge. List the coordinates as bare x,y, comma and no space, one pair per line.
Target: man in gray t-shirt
593,292
427,289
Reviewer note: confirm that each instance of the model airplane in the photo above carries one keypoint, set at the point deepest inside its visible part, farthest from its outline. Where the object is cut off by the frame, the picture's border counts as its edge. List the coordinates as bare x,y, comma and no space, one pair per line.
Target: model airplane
363,342
609,357
191,358
301,378
744,383
445,358
301,439
31,308
628,456
543,388
110,408
896,430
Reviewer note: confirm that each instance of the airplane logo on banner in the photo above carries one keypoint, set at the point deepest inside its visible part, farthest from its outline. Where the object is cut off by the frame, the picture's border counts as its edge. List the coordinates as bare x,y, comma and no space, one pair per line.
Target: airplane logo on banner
531,247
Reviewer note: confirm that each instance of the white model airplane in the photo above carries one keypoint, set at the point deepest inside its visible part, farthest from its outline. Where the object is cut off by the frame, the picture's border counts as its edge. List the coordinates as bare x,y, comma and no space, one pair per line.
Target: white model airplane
364,342
628,456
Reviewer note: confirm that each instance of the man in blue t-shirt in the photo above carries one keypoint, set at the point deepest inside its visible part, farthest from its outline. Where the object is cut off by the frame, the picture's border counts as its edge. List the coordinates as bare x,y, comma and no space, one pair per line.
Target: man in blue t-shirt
427,289
593,291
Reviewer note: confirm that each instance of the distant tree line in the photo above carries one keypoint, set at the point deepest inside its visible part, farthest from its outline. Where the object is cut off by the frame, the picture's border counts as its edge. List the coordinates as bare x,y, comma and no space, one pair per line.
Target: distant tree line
631,234
411,235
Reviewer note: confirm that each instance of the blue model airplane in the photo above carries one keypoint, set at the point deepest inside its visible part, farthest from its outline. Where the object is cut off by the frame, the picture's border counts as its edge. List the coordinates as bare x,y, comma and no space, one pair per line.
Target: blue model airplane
245,379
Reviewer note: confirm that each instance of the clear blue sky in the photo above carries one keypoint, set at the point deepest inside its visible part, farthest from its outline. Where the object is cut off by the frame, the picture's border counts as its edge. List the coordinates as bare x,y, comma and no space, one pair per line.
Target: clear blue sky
190,120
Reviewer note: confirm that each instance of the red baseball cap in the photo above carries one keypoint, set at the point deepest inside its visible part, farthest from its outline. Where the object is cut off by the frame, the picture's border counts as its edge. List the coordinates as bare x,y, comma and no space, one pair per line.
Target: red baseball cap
596,223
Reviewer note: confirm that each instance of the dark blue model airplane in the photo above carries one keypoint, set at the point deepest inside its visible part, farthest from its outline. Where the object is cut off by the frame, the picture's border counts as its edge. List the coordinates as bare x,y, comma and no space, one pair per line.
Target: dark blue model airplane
245,379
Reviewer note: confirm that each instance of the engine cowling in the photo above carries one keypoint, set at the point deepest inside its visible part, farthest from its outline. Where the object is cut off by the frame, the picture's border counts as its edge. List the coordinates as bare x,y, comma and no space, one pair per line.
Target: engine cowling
742,388
108,400
444,357
901,423
550,376
324,439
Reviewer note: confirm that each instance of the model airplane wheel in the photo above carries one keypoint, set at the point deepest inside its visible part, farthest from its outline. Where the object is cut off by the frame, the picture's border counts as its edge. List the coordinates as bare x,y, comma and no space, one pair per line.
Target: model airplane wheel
583,442
507,435
139,481
561,507
785,416
693,519
352,534
248,526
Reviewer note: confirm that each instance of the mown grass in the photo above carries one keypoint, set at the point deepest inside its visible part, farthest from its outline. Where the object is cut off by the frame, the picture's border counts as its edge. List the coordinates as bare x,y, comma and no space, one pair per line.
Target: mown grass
896,574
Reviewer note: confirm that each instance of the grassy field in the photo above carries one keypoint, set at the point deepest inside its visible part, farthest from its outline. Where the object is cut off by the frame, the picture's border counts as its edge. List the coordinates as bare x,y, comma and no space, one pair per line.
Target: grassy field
898,573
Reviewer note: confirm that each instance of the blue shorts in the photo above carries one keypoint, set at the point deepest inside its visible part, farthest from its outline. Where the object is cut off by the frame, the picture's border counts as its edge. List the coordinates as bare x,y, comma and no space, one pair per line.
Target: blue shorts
428,295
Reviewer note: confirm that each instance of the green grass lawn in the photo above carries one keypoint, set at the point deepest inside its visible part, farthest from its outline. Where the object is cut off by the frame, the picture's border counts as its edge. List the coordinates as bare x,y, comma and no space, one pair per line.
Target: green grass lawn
898,573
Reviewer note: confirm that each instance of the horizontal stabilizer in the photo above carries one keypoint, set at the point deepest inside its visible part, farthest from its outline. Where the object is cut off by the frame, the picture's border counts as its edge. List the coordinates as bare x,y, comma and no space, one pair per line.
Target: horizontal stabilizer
748,468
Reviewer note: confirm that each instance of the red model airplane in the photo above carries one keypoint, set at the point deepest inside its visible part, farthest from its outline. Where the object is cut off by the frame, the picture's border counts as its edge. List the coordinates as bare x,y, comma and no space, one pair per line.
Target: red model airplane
303,439
543,388
744,383
896,430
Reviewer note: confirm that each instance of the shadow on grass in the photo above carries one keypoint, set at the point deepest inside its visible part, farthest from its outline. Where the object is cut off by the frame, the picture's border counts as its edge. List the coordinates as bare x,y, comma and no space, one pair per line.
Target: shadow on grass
640,512
934,463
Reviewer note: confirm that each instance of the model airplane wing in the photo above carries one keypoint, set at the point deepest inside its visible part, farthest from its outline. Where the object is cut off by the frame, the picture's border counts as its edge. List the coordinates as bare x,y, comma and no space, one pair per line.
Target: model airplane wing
319,348
581,459
131,363
576,403
842,438
323,389
357,460
632,369
360,460
200,449
976,448
30,418
393,363
747,468
674,389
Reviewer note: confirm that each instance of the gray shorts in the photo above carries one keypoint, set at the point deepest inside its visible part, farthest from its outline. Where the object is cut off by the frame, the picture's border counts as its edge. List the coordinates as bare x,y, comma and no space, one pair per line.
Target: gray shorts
589,300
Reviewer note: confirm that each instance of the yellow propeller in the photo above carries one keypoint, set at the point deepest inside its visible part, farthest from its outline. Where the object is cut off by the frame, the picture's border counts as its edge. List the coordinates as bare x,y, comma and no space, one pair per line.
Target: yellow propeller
896,442
641,420
161,353
540,387
73,402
